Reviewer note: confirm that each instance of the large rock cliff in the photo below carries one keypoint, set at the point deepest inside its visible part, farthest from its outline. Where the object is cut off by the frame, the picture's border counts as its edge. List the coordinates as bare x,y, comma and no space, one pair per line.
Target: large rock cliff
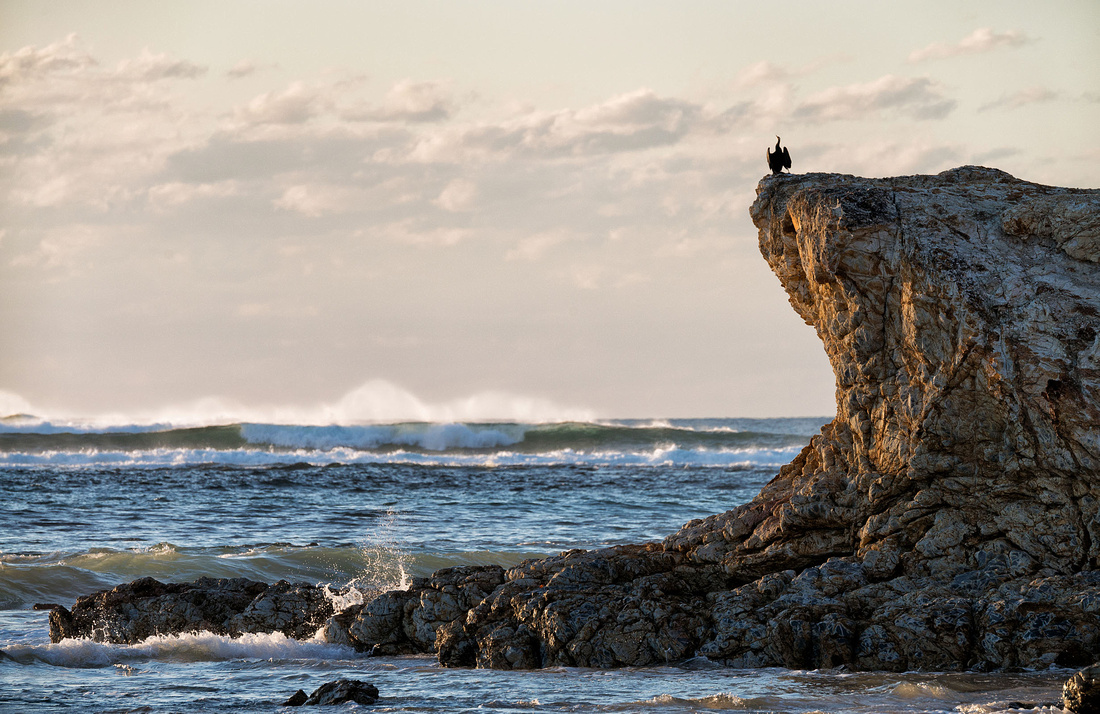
946,519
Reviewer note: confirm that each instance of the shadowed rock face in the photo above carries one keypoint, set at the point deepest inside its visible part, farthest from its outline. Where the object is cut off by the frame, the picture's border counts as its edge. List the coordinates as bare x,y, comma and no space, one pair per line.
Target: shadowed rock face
136,611
946,519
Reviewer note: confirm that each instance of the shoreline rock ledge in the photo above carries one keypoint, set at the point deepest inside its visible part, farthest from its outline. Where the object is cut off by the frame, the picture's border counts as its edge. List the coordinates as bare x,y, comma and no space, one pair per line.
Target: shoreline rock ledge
946,519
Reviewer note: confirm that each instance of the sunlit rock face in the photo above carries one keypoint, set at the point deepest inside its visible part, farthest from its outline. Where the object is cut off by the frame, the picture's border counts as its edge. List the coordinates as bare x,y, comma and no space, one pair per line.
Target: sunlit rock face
946,519
961,315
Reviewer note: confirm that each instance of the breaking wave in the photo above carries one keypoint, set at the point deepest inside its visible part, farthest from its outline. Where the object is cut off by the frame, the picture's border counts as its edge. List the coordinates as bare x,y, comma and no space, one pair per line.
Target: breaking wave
717,442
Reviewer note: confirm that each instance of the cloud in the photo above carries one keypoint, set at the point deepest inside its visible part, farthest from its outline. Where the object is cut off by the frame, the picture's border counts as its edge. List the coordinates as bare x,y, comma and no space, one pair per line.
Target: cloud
984,39
892,157
409,101
316,200
63,251
634,121
296,104
535,246
149,67
176,193
457,196
1015,100
916,98
244,68
763,72
82,135
413,231
31,63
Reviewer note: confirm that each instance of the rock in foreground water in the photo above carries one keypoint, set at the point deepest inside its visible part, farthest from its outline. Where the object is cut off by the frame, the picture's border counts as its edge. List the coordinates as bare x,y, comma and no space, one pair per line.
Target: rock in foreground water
1081,694
143,608
339,692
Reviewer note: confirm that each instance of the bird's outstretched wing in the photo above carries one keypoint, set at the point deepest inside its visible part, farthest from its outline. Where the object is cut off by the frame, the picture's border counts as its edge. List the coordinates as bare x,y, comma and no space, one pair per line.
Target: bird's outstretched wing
786,158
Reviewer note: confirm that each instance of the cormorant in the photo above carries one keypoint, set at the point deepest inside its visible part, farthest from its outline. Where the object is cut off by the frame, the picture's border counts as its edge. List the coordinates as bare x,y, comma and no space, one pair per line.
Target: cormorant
780,160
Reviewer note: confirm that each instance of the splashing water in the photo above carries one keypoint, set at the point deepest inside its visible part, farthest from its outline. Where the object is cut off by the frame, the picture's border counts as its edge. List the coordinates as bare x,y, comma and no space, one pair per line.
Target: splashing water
385,567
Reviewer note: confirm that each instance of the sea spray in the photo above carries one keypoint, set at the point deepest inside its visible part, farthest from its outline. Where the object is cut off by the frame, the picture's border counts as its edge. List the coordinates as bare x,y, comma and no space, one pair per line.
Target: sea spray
386,560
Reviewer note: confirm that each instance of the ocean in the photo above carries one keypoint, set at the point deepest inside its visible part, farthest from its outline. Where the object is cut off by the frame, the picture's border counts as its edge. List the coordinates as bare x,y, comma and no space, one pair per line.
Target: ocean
85,506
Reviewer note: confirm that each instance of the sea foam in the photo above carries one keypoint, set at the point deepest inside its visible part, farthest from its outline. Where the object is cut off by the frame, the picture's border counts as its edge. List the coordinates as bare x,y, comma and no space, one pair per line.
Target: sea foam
191,647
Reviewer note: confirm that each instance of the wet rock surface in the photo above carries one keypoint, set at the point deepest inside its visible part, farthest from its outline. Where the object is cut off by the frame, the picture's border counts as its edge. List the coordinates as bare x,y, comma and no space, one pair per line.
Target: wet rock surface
1081,694
339,692
946,519
138,610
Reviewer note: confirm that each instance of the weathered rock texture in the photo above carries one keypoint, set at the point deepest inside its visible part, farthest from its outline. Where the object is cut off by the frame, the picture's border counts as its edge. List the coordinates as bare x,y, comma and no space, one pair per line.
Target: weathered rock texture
136,611
341,691
1081,694
946,519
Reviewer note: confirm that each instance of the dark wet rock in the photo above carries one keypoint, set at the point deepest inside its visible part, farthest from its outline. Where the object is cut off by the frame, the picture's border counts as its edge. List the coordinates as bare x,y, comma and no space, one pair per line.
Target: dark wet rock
297,699
296,610
339,692
45,606
407,621
1081,694
135,611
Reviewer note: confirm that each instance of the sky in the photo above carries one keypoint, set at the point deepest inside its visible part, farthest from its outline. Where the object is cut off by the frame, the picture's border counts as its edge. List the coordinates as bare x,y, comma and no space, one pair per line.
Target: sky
487,209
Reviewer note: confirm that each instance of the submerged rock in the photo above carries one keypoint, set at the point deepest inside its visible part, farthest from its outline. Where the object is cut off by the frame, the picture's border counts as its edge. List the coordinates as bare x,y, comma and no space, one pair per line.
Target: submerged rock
946,519
297,699
1081,694
339,692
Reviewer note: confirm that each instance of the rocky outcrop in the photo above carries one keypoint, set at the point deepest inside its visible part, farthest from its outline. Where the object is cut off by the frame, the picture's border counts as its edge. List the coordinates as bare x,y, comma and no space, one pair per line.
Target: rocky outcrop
135,611
341,691
946,519
1081,693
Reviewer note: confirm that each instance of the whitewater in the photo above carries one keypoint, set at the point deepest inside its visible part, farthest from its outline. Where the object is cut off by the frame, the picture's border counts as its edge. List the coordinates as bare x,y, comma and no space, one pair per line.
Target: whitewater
88,505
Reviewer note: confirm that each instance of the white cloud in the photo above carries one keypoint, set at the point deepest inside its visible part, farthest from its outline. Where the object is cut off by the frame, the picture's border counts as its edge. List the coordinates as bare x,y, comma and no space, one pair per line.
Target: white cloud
87,136
416,232
64,250
149,67
296,104
413,102
457,196
534,247
31,63
984,39
176,193
1015,100
315,200
244,68
763,72
587,277
891,157
914,97
634,121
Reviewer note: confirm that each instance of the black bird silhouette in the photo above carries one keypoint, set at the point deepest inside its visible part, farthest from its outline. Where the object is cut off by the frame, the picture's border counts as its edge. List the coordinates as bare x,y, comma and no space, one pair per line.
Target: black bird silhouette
780,160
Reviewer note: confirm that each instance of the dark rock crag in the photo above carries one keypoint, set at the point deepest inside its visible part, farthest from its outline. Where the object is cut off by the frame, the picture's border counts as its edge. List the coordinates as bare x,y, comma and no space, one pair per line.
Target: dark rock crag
1081,693
144,608
946,519
341,691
